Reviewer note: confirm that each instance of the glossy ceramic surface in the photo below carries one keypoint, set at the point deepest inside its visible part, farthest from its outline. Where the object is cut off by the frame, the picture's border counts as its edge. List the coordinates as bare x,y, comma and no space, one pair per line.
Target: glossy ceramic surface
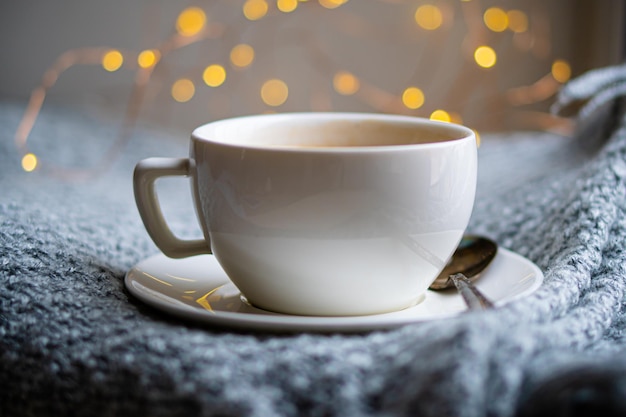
196,288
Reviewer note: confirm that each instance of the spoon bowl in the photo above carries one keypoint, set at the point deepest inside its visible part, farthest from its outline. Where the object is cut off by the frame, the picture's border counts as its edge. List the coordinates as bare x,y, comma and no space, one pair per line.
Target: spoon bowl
473,255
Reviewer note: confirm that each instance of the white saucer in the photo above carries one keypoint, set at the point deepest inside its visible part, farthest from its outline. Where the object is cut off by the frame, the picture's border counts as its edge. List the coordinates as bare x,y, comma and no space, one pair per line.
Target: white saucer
197,288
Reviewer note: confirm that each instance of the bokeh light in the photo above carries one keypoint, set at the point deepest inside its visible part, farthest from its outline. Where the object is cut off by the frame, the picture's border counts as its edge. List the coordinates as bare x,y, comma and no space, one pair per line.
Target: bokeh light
274,92
561,71
485,56
346,83
332,4
286,6
413,98
190,21
429,17
255,9
214,75
112,60
518,21
455,117
496,19
242,55
147,58
463,28
440,115
29,162
183,90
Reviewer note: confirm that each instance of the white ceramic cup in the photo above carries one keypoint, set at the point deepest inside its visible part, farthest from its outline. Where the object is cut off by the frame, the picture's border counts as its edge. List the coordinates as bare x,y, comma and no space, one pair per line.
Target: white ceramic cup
322,213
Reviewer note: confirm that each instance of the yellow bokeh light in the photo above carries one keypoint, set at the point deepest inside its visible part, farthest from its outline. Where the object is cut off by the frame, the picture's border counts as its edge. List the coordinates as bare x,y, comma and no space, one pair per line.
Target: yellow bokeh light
485,56
190,21
496,19
332,4
518,21
255,9
429,17
286,6
440,115
242,55
455,117
346,83
183,90
274,92
561,71
214,75
147,58
112,60
413,98
29,162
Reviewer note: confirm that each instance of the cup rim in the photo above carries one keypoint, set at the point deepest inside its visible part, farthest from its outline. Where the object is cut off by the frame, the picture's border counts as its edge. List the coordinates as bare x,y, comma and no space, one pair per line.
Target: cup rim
204,132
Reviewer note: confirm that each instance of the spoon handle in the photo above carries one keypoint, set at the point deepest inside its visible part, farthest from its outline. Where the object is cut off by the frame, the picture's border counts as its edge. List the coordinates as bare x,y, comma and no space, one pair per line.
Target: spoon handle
474,299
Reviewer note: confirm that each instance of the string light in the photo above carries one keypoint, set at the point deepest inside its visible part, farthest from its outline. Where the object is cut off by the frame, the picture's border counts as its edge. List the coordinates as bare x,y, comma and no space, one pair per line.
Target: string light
29,162
455,117
485,56
286,6
191,27
242,55
214,75
413,98
429,17
274,92
112,60
518,21
346,83
540,90
147,58
332,4
190,21
496,19
183,90
440,115
255,9
561,71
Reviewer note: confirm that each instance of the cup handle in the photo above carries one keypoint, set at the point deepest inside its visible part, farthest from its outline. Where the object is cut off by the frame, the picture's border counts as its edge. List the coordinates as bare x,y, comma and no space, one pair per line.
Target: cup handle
146,173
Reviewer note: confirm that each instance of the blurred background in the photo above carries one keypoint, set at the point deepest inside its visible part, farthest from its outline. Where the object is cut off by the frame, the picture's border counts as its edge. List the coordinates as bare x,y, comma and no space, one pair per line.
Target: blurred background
492,65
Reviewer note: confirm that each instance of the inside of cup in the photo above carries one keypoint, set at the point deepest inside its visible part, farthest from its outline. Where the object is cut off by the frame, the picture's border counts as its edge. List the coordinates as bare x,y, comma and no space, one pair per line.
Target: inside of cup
330,130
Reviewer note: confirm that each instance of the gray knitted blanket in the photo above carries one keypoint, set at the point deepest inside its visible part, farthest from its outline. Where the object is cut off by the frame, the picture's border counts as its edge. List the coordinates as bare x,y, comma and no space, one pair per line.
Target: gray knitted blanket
73,342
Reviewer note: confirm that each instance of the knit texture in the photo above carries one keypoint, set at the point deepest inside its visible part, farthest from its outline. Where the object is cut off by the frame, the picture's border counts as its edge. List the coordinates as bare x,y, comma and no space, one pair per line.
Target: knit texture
73,342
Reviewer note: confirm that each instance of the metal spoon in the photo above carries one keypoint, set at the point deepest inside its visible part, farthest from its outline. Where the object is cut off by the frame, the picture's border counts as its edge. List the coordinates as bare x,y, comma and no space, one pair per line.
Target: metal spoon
472,256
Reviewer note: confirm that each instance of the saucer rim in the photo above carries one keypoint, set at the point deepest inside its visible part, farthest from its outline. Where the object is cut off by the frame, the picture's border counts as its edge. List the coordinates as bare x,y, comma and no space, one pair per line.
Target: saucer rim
285,323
